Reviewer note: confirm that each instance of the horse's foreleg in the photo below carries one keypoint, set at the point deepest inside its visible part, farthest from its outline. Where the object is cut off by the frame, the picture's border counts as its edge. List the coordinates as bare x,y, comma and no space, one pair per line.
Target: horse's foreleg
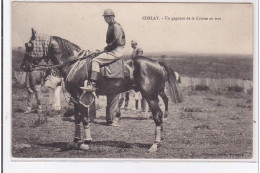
29,103
77,134
87,135
157,116
86,132
37,89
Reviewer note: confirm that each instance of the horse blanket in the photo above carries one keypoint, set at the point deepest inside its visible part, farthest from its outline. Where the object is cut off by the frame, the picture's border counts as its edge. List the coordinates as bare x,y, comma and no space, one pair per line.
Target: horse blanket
40,45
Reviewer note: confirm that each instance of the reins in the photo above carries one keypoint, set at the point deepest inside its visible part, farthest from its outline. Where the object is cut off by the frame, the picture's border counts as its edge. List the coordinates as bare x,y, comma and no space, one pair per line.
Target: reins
82,52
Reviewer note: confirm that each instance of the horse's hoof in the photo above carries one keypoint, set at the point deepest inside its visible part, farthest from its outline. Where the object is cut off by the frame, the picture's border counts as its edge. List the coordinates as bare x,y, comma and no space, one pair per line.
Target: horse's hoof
84,146
153,148
73,145
114,124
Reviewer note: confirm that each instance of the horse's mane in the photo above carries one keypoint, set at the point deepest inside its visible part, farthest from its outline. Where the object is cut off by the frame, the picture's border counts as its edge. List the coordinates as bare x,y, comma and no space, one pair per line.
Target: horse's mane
66,47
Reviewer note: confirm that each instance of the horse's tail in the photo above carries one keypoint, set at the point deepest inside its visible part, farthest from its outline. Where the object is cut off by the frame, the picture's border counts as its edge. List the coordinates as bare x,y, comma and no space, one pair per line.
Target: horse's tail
174,89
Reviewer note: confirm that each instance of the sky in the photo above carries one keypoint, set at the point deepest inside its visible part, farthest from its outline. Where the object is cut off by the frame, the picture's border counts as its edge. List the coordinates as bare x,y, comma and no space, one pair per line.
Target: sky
84,25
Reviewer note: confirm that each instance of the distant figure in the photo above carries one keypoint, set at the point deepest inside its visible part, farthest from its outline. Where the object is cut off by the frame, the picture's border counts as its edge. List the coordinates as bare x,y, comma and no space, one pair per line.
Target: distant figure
136,50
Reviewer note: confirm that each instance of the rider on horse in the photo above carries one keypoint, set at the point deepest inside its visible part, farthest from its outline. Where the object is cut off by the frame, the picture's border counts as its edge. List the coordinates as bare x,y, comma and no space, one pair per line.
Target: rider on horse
115,40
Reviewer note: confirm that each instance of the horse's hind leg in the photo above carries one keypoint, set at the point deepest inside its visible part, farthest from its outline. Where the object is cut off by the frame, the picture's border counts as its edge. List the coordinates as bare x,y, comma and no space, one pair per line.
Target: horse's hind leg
165,101
157,116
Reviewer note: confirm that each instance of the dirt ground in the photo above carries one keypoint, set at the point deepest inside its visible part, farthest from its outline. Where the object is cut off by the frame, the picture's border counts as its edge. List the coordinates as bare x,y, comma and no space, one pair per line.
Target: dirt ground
207,125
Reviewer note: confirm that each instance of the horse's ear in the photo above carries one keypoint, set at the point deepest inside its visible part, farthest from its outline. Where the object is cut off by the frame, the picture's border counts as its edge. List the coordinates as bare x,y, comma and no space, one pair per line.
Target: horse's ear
33,33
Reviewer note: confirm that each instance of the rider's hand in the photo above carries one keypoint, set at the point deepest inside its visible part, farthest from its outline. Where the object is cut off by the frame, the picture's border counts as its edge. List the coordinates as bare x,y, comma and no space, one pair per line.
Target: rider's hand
98,52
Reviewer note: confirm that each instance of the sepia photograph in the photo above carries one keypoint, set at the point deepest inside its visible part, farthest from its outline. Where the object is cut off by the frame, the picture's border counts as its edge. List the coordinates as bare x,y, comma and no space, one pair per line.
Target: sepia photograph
117,80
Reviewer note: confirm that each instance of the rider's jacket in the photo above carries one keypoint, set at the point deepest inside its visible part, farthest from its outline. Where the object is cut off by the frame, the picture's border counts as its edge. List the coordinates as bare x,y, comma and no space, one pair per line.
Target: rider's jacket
115,36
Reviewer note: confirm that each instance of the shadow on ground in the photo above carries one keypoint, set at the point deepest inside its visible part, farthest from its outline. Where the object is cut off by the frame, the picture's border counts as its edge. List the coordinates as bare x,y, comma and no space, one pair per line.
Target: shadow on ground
64,146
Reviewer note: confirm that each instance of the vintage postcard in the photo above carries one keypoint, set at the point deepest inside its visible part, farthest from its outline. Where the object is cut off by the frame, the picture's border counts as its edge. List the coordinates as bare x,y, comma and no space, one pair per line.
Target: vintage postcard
117,80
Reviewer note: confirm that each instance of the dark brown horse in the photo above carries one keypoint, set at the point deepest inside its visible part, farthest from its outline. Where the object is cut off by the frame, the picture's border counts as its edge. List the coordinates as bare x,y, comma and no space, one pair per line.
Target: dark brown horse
149,78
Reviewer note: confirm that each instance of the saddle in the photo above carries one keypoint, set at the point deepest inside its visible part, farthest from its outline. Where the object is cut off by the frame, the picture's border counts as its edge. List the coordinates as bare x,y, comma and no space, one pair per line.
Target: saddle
113,70
117,69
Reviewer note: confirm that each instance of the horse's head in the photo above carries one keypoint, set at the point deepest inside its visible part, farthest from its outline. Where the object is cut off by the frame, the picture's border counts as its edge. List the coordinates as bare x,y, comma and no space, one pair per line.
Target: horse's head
36,50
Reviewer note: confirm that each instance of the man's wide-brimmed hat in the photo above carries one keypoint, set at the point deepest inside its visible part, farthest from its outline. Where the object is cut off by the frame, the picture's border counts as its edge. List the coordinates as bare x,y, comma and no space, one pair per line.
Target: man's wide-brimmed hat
108,12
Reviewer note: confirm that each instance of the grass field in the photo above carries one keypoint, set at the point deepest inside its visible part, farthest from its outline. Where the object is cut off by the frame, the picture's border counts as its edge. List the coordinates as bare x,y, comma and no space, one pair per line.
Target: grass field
206,125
